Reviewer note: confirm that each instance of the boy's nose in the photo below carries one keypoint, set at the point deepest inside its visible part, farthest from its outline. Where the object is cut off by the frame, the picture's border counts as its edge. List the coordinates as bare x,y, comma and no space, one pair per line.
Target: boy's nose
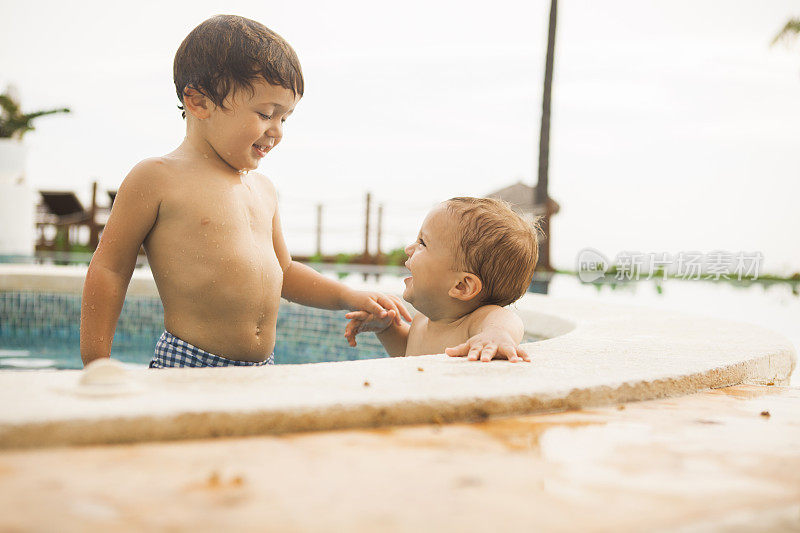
409,250
275,131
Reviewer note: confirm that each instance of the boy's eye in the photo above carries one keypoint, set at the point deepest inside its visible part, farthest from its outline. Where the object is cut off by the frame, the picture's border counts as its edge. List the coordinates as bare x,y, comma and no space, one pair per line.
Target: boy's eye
265,117
421,241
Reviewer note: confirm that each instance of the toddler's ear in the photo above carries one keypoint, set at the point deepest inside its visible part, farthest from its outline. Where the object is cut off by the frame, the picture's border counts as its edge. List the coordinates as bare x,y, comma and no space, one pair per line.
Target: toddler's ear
196,103
467,288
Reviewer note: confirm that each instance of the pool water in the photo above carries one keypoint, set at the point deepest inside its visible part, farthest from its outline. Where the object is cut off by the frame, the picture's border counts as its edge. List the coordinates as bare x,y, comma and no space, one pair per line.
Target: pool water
42,331
39,330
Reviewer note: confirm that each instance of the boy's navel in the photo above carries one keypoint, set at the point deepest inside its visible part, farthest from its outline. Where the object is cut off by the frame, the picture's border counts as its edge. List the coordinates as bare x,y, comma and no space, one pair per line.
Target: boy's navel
205,221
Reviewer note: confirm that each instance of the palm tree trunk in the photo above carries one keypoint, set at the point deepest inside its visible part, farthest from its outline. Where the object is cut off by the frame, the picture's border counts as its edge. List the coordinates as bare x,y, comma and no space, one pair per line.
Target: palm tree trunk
541,196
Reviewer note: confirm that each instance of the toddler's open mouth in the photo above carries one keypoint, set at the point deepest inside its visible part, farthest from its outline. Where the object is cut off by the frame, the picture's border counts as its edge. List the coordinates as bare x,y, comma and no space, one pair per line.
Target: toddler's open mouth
406,280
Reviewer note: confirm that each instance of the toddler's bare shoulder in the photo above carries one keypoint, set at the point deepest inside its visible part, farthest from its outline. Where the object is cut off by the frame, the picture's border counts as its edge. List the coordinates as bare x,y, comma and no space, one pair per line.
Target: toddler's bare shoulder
486,310
482,313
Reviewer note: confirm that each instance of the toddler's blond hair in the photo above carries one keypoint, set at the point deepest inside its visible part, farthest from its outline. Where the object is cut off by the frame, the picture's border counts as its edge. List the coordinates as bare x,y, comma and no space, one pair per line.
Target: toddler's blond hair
497,245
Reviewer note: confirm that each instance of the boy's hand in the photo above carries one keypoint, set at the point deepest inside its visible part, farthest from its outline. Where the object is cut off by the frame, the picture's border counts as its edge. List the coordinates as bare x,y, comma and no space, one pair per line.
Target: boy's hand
362,322
378,304
488,345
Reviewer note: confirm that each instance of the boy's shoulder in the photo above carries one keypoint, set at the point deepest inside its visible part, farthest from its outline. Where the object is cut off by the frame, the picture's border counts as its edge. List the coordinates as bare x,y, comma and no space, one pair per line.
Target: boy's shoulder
264,181
149,170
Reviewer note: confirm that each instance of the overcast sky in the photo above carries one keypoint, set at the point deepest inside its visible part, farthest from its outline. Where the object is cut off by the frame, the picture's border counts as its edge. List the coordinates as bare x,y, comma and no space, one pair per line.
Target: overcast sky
675,125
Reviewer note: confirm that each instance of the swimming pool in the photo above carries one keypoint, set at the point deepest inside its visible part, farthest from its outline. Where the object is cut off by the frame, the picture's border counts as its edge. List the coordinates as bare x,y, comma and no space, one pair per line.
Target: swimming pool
40,330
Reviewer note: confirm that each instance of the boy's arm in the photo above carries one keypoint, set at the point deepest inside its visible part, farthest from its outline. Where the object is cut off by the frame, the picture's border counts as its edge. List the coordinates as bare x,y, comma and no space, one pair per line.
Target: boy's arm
132,216
306,286
494,332
392,335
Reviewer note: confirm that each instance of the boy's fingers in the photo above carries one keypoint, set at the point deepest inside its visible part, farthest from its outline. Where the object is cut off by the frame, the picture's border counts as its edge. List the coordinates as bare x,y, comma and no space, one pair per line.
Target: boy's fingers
488,352
402,309
394,303
523,354
385,303
375,308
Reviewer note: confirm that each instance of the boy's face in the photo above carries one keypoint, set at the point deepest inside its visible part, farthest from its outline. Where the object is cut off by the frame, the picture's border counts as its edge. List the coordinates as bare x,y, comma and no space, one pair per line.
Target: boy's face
430,260
250,125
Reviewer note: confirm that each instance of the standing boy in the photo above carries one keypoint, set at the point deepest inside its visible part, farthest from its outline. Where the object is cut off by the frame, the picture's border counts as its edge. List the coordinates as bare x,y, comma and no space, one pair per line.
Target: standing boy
209,226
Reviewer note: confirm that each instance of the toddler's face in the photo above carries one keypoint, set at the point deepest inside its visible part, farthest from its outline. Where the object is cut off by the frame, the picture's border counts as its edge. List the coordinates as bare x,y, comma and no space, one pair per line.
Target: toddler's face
250,125
430,260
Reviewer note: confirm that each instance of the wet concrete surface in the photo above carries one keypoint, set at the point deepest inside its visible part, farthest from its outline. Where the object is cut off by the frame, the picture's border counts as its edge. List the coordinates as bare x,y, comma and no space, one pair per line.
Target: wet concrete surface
719,460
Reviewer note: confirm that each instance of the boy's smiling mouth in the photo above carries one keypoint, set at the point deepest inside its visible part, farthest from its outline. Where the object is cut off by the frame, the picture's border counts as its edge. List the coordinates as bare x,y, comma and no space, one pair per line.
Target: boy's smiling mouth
261,150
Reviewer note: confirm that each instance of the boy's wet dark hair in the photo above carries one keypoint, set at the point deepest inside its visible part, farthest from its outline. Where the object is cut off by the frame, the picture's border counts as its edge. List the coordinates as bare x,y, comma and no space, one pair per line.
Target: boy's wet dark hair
227,53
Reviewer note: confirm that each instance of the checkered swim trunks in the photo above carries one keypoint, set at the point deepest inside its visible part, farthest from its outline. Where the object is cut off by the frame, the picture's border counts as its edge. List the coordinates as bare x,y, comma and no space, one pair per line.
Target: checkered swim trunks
174,352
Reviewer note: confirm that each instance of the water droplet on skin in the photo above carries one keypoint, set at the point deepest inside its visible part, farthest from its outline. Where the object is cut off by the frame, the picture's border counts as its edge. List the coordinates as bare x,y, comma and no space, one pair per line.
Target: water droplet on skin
92,307
205,155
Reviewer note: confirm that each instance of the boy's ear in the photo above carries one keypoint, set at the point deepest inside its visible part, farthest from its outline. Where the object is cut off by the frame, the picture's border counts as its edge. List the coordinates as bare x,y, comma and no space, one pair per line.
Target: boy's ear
468,287
196,103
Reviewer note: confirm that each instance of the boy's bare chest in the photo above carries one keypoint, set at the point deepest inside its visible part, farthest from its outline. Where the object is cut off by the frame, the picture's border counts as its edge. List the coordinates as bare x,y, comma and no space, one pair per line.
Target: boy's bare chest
227,214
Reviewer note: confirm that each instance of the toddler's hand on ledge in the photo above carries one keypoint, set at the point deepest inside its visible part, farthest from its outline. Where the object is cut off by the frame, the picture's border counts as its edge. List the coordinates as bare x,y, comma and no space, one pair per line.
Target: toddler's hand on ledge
362,322
489,345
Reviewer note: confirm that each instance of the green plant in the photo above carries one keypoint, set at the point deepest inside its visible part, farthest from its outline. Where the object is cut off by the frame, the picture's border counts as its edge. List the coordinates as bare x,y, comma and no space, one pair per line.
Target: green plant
13,122
345,258
790,30
396,257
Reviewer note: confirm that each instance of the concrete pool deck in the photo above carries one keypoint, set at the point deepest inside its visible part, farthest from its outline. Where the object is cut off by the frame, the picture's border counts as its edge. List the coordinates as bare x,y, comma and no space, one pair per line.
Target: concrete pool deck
720,460
595,354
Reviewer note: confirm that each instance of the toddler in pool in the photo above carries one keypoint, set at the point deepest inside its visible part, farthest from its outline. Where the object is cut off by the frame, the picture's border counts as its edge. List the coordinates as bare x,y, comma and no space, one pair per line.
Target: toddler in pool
473,257
209,226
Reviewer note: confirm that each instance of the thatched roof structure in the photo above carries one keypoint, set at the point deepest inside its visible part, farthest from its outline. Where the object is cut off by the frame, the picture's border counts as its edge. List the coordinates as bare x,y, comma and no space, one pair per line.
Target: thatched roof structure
520,196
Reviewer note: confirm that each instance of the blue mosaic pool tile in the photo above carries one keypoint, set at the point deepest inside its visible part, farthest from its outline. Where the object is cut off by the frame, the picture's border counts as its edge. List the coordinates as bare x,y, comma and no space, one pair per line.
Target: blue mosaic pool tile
50,323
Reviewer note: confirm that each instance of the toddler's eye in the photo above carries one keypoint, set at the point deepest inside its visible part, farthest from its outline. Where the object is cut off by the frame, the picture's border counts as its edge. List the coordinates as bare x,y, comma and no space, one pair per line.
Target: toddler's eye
265,117
421,241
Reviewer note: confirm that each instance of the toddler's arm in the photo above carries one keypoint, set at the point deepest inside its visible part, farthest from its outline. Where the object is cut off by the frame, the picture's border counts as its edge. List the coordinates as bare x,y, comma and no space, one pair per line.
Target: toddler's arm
393,335
133,215
495,332
306,286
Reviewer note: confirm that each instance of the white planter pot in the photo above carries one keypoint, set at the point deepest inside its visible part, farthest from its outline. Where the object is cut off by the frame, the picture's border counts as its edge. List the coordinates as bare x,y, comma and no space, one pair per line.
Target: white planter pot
17,201
12,161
